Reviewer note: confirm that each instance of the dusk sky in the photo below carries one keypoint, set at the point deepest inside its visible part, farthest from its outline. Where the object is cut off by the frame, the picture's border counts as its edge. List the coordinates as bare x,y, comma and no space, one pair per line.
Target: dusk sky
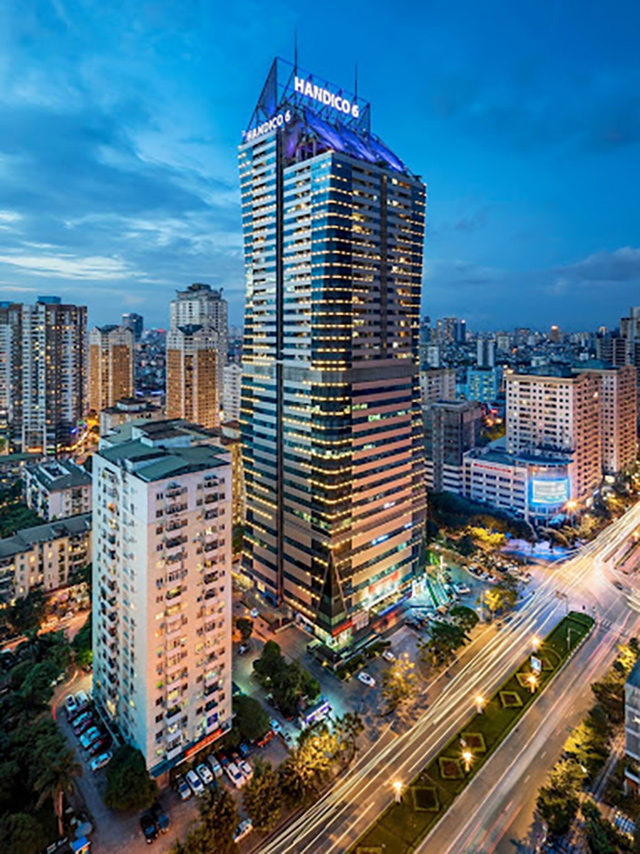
119,126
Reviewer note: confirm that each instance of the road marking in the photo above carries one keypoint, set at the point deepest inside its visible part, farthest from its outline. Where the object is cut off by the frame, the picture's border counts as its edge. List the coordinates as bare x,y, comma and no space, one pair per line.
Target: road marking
349,828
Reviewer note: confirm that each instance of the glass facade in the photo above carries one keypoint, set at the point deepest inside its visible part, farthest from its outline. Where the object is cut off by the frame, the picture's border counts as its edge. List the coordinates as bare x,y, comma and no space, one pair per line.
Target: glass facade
331,422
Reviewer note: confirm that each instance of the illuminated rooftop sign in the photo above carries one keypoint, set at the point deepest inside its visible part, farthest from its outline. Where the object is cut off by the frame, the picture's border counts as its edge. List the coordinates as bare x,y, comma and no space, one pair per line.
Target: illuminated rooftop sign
324,96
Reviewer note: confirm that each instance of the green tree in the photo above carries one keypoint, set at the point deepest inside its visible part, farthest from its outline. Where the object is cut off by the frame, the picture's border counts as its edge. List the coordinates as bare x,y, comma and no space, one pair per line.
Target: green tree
251,719
307,769
444,640
57,779
558,800
601,835
27,613
502,596
214,832
21,833
399,682
129,785
609,691
347,729
82,646
245,627
270,664
262,797
588,745
464,617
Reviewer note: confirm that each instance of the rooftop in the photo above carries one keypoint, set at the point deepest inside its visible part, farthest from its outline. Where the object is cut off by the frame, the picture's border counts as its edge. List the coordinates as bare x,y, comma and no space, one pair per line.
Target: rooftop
26,538
57,475
498,454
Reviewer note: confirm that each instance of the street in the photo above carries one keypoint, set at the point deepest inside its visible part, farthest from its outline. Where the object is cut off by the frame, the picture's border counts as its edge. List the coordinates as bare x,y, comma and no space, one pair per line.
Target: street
339,818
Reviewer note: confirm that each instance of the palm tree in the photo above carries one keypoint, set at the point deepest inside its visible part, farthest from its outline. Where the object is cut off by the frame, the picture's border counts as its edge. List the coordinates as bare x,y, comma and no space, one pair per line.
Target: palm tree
57,779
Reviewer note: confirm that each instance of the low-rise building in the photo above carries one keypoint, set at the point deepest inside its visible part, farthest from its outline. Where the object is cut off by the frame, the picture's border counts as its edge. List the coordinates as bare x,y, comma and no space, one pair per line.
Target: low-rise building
44,557
56,489
483,383
129,409
437,384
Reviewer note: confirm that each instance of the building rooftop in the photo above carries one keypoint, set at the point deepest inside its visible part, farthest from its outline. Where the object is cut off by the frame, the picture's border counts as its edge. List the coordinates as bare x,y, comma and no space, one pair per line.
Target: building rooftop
57,475
27,537
498,454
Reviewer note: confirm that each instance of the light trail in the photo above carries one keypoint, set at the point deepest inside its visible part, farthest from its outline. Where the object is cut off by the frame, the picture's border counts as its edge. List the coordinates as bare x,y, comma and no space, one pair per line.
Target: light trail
402,758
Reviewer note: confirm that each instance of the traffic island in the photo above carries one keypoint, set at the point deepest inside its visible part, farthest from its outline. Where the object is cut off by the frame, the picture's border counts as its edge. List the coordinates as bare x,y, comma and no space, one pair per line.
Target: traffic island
424,801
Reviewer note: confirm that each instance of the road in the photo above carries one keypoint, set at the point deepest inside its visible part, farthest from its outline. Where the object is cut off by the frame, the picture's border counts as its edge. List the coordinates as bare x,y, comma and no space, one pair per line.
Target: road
339,818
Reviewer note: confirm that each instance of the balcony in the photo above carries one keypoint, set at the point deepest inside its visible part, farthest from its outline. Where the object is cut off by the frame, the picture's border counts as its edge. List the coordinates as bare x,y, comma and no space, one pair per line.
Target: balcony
173,713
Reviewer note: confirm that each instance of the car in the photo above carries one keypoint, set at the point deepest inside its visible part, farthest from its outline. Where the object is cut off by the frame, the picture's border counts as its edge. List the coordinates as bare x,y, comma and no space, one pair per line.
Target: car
149,829
243,649
71,705
275,726
254,613
195,783
266,738
204,772
234,774
183,789
100,761
100,745
224,759
270,700
80,722
82,700
366,679
388,655
287,738
91,735
215,766
245,769
160,817
619,585
462,588
244,748
243,829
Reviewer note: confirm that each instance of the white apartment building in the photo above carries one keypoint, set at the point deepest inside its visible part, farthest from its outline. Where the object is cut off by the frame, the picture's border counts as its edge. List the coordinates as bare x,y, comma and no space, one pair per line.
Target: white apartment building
44,557
437,384
202,305
558,411
162,588
232,392
56,489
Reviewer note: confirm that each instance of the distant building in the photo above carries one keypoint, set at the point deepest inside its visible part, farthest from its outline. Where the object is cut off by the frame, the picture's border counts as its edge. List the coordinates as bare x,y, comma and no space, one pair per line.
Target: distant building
433,357
44,557
129,409
192,375
555,334
202,305
56,489
612,349
134,322
162,589
450,429
43,373
486,352
556,410
110,366
632,729
503,342
437,384
482,384
232,392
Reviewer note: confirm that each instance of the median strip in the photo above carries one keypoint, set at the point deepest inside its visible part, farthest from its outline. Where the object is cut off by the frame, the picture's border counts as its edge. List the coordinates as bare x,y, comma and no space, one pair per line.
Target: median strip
420,804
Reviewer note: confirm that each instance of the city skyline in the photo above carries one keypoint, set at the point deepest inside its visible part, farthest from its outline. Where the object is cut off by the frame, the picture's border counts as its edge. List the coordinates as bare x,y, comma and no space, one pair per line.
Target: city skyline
119,152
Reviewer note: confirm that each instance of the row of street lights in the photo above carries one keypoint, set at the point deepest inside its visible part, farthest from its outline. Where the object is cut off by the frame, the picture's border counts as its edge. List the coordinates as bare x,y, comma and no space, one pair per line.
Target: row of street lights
480,703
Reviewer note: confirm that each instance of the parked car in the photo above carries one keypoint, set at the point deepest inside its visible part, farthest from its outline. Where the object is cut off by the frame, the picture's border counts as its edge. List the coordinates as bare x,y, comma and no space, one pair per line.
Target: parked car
243,829
71,705
275,726
266,738
366,679
87,738
286,737
233,773
82,700
80,723
100,745
195,783
149,828
224,759
244,749
270,700
388,655
204,772
245,769
254,613
215,766
101,760
243,649
462,588
160,817
183,789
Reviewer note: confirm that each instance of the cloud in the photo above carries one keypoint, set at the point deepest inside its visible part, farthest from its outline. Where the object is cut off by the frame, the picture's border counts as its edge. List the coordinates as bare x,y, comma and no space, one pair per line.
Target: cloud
71,267
622,265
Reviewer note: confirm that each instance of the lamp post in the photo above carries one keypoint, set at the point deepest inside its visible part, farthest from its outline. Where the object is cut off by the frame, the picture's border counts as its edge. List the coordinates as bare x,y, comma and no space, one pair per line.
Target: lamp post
467,758
479,701
535,643
533,682
397,788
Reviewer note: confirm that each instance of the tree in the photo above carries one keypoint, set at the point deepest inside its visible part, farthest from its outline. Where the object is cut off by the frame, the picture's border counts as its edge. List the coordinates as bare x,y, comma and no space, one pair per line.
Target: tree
262,797
464,617
347,729
129,785
399,682
245,627
214,832
250,718
306,769
558,799
21,833
288,682
602,836
588,745
502,596
609,692
443,641
57,779
27,613
82,646
270,664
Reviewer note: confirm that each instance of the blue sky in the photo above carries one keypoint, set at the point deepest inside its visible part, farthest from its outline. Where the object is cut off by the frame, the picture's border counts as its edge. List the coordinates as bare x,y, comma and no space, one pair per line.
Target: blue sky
119,124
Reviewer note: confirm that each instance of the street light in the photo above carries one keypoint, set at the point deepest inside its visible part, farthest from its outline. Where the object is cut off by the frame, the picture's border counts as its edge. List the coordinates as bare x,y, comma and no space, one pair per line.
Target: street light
467,758
479,704
533,682
397,788
535,642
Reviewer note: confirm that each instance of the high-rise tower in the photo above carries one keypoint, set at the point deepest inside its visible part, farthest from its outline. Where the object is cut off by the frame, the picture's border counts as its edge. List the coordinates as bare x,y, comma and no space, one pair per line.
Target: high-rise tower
110,366
333,230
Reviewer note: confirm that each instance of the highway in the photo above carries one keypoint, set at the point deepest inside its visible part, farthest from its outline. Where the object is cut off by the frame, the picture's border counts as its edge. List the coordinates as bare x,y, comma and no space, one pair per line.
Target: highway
344,813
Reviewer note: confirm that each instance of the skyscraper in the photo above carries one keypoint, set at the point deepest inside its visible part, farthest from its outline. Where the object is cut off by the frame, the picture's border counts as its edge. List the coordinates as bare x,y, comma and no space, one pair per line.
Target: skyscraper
43,373
110,366
134,322
201,305
333,231
193,375
162,588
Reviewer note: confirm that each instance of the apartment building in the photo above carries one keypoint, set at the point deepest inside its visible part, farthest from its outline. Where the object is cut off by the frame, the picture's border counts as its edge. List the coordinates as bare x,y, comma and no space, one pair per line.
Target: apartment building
450,428
619,403
162,588
110,366
56,489
437,384
232,391
193,379
44,557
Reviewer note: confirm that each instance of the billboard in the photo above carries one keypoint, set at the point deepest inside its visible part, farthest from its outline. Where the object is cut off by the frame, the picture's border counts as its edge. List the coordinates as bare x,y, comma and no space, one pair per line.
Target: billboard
552,492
